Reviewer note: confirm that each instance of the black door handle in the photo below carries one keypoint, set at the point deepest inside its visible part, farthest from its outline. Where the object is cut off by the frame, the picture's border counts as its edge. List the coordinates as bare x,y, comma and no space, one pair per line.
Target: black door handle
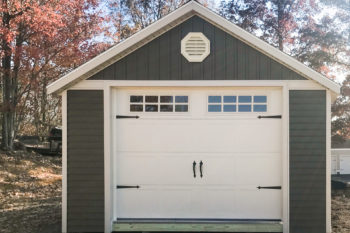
194,169
128,186
201,168
122,117
269,187
275,116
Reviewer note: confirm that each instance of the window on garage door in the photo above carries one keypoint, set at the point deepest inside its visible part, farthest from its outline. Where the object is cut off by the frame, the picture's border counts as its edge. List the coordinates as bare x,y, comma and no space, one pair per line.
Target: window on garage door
237,103
159,103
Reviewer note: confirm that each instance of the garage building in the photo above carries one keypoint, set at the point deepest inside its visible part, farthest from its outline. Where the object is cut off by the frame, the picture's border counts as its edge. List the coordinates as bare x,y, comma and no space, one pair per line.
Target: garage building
193,124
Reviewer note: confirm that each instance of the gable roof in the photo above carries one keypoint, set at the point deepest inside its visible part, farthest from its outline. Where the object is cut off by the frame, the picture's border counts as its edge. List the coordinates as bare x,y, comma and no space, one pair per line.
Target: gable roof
156,29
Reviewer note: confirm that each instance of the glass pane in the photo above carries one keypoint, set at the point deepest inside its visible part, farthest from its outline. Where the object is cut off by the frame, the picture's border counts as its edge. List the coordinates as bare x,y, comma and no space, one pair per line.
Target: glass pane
245,99
214,108
151,108
151,99
214,99
136,108
230,99
260,108
181,108
229,108
166,99
181,99
136,99
260,99
244,108
166,108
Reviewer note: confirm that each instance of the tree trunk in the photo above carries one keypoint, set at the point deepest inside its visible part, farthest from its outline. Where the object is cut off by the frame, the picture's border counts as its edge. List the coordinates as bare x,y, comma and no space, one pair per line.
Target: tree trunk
44,106
6,80
9,80
279,24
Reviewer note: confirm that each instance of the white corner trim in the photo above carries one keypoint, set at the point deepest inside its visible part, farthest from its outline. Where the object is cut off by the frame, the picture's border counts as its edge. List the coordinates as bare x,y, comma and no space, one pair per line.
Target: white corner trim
195,47
285,158
328,163
107,159
194,8
64,161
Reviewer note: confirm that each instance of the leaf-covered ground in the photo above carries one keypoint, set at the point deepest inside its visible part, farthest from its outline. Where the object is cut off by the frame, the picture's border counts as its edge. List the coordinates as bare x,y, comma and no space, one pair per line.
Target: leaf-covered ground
30,193
341,211
30,196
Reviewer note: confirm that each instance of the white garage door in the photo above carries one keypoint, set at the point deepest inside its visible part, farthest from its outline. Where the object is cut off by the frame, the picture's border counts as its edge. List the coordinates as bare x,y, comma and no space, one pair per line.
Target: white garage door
198,153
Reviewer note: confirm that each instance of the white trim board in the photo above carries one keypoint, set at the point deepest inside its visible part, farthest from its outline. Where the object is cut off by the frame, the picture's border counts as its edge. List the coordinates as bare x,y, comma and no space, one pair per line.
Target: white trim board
285,157
107,160
292,84
159,27
64,161
328,162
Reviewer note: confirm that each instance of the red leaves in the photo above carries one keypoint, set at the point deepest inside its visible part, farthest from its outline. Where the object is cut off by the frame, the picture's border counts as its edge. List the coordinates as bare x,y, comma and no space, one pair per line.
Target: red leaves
45,40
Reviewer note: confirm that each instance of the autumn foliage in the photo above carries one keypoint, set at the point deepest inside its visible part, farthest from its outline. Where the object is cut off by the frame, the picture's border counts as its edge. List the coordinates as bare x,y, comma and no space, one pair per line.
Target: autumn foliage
40,41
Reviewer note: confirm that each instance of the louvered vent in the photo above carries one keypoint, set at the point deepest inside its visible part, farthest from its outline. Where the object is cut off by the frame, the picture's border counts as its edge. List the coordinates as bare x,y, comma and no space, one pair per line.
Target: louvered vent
195,47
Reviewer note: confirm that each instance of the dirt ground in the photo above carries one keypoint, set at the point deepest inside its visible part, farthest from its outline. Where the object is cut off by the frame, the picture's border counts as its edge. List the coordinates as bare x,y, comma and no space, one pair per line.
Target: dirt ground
30,195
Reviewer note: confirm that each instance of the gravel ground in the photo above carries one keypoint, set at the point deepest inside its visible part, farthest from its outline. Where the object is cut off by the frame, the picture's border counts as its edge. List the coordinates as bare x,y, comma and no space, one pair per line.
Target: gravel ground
30,196
30,193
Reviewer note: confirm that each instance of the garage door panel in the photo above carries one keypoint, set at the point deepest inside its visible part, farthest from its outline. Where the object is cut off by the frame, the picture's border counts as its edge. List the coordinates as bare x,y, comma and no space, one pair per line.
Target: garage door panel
199,202
218,170
242,168
155,203
262,203
224,202
173,136
213,199
262,169
156,170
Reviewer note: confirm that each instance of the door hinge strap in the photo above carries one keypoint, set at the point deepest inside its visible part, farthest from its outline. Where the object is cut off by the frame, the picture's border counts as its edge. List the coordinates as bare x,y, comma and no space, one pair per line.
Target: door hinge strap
269,187
275,116
128,186
121,117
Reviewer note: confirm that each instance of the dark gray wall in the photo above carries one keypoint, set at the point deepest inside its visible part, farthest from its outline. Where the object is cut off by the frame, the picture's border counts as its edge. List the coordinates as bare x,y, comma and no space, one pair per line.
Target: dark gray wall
307,154
85,161
229,59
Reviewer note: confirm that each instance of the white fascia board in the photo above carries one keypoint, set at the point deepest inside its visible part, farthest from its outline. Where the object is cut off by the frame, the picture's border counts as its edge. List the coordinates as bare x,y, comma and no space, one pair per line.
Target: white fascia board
122,46
212,17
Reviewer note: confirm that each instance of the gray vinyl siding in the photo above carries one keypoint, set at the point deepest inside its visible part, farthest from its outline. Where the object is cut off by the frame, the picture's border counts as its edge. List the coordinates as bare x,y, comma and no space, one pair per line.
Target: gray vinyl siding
307,121
229,59
85,161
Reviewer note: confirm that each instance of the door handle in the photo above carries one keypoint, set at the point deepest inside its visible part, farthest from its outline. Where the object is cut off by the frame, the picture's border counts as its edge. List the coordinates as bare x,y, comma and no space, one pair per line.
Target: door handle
201,168
194,169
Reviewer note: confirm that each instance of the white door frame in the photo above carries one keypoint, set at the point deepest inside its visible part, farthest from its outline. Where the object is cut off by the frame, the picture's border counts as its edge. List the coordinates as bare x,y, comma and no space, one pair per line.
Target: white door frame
109,134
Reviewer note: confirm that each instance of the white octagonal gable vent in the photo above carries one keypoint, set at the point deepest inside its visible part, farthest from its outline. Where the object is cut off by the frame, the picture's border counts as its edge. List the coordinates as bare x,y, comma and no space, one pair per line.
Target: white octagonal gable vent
195,47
